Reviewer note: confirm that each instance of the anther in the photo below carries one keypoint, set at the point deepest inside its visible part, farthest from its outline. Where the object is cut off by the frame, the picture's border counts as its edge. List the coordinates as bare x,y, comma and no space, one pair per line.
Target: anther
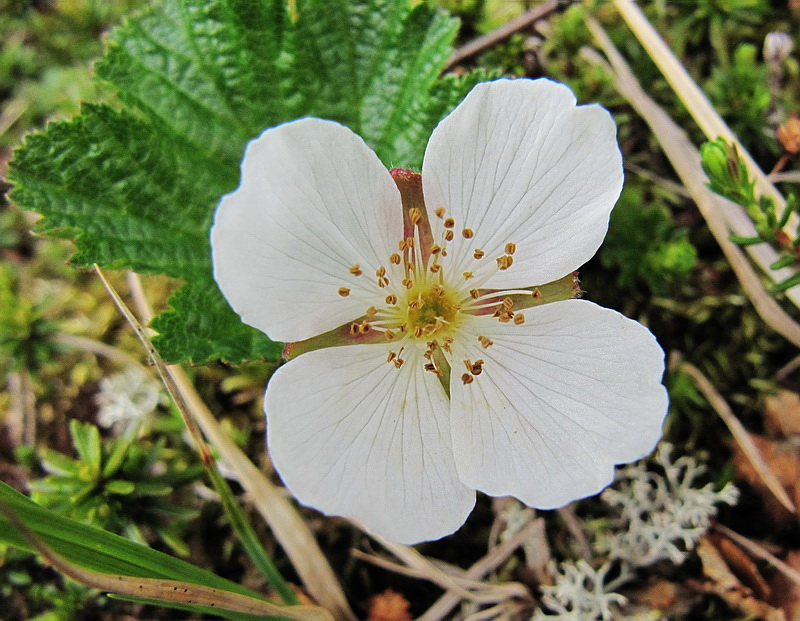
468,364
438,290
435,249
467,379
474,294
429,366
417,332
392,356
398,362
353,329
485,341
391,299
439,211
389,335
381,271
395,259
479,254
511,248
344,291
477,368
536,293
505,261
519,319
435,268
356,270
409,242
508,303
415,214
467,275
408,283
401,245
371,311
364,327
449,223
448,235
468,233
505,316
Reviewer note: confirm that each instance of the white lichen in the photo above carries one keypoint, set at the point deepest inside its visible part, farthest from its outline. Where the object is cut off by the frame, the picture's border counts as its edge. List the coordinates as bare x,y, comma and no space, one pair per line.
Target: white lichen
580,593
662,516
126,399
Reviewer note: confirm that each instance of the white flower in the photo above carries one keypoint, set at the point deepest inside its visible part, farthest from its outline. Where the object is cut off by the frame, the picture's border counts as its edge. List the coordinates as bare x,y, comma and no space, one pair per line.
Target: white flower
125,399
662,516
450,374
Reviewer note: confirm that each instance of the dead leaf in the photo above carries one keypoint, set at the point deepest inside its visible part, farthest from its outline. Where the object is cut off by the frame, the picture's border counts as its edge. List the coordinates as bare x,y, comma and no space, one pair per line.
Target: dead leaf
783,459
722,582
389,606
786,592
782,414
742,566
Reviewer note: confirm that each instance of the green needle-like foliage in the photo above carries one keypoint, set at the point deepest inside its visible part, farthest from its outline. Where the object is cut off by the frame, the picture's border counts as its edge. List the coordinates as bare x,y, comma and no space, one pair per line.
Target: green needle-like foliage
113,484
137,187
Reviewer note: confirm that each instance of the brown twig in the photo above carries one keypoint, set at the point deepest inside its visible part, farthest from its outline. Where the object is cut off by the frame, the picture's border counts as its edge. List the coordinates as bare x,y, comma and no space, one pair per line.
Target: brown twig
526,20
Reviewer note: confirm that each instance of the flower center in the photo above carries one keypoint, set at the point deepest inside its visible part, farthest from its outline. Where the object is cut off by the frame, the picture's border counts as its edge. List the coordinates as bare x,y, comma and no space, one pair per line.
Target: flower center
431,311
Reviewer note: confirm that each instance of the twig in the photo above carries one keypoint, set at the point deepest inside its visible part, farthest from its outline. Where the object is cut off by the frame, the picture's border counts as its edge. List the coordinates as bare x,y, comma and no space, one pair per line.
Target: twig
526,20
743,439
685,160
100,349
574,527
488,563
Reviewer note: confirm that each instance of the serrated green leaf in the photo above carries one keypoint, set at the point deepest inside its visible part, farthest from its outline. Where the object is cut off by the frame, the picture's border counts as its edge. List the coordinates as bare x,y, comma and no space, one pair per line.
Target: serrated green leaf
137,188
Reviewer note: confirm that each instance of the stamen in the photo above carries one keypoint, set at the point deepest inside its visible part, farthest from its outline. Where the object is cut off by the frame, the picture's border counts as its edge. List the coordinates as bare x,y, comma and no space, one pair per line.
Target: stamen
344,291
485,342
467,275
536,293
468,233
391,299
467,379
415,214
449,223
364,327
505,261
438,290
519,319
353,329
389,335
402,245
392,356
371,311
439,211
435,268
408,283
448,235
474,294
479,254
508,303
435,249
356,270
511,248
394,259
477,368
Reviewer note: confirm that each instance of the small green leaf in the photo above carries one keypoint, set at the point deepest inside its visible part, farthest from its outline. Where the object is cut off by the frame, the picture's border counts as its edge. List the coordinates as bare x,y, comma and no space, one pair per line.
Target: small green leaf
120,487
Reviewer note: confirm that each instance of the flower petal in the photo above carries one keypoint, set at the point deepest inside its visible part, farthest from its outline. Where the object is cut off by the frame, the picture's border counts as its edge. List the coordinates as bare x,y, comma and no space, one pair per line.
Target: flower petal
562,398
352,435
518,162
314,201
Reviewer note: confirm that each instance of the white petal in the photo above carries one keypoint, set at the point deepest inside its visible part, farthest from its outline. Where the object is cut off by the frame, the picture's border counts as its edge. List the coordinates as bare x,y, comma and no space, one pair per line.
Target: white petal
562,399
314,201
518,162
351,435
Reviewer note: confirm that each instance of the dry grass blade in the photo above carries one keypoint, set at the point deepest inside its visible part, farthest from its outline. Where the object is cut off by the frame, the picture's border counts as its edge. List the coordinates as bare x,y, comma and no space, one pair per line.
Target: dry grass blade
287,526
686,161
740,434
712,125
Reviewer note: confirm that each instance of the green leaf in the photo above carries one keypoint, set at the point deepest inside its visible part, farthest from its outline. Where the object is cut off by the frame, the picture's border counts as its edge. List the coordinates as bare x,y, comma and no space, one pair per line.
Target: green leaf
136,188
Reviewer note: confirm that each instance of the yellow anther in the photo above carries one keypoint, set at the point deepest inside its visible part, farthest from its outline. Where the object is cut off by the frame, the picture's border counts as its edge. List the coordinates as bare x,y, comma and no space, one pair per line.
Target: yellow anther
356,270
449,223
505,261
511,248
467,379
438,290
415,304
353,329
344,291
439,211
536,293
415,214
429,366
508,303
448,235
391,299
468,364
435,268
519,319
392,356
485,342
409,242
364,327
417,332
401,245
398,362
477,367
389,335
408,283
436,249
479,254
468,233
505,316
395,259
474,294
371,311
467,275
381,271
